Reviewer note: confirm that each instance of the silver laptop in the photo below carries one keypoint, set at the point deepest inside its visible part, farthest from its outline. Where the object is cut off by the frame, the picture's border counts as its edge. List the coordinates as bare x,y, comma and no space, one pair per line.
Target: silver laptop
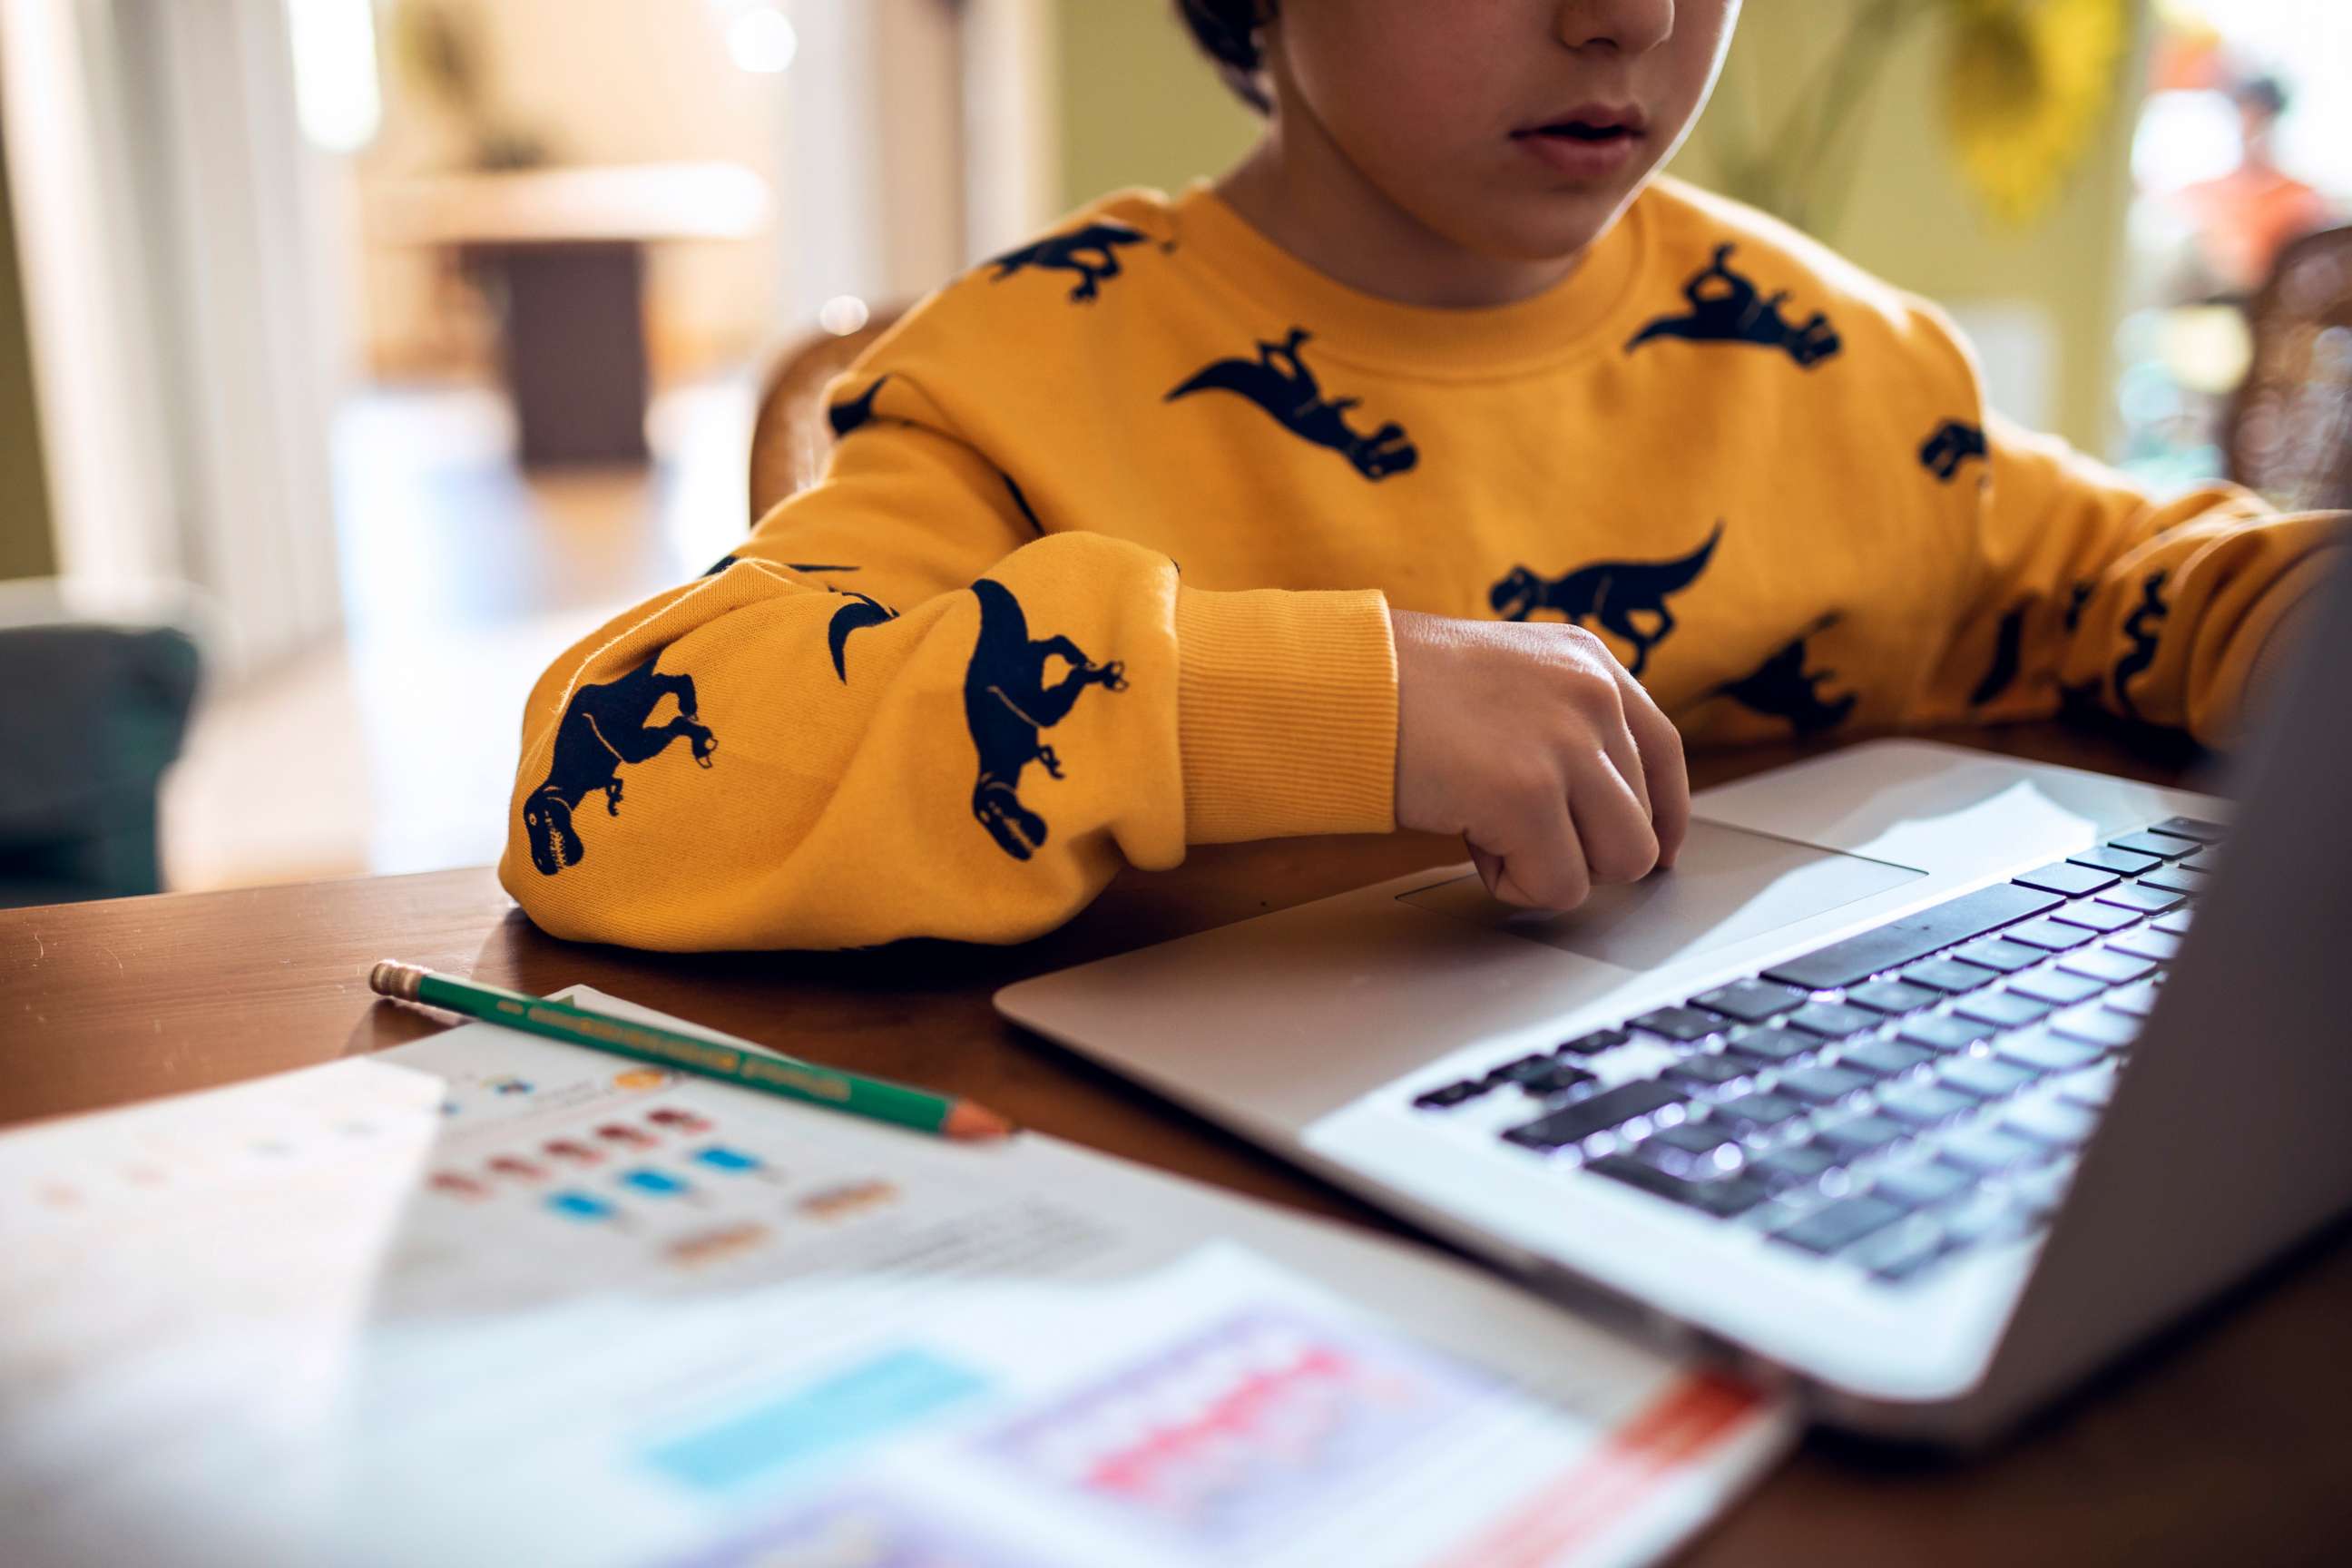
1930,1080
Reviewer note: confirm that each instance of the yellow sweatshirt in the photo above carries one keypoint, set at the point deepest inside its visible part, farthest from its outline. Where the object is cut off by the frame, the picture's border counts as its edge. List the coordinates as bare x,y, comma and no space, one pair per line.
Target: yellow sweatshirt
1102,562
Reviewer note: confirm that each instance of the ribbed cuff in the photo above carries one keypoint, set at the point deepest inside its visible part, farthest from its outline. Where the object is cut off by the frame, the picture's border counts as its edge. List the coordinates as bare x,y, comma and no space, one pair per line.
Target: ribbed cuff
1287,714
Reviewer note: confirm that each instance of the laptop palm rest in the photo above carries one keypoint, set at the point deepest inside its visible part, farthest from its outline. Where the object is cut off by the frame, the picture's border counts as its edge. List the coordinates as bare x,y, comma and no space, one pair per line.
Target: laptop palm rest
1731,885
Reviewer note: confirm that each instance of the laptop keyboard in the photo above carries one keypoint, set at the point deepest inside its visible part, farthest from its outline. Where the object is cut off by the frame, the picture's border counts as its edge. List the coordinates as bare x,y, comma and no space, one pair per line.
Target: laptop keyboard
1896,1098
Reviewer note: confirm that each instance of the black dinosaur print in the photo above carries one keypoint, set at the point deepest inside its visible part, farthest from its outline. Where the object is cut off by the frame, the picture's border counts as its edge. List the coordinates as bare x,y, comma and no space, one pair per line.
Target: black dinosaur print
602,728
1279,382
1725,308
1609,591
1008,704
724,562
854,413
861,611
1091,252
2142,627
1952,443
2007,650
2078,596
1782,687
719,566
1027,512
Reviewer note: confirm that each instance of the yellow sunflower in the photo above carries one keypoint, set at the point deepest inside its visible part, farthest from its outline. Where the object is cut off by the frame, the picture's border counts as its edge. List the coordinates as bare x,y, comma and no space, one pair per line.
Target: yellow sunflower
2026,85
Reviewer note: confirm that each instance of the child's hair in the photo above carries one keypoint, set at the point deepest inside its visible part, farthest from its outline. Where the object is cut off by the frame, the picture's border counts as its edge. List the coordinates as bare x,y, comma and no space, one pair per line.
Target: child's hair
1227,31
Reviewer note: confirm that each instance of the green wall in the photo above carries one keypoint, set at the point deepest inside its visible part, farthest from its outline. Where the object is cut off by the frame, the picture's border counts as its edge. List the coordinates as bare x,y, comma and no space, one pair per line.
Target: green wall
27,549
1907,217
1137,107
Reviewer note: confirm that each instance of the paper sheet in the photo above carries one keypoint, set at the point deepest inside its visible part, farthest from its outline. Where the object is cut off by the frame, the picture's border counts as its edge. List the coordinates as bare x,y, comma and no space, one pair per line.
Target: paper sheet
492,1299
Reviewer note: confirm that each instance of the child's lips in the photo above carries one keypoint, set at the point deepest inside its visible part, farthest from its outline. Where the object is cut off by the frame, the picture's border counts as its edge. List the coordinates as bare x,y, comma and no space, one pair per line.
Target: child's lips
1582,149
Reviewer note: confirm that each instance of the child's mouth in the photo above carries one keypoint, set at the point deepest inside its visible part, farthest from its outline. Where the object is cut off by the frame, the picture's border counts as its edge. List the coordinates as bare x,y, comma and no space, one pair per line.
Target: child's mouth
1584,144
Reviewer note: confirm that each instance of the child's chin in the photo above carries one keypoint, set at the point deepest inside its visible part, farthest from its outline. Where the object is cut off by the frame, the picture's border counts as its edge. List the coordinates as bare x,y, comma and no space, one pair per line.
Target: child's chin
1559,224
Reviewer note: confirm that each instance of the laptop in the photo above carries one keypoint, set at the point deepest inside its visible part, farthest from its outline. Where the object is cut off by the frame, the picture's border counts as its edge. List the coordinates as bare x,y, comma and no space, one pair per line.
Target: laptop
1930,1081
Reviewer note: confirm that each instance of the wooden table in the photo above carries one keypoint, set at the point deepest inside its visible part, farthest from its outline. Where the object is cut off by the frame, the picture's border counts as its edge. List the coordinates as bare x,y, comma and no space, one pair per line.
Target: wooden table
2228,1444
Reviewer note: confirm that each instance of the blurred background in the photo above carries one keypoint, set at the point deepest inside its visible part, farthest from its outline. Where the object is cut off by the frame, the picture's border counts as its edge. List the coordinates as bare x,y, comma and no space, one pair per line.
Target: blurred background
357,355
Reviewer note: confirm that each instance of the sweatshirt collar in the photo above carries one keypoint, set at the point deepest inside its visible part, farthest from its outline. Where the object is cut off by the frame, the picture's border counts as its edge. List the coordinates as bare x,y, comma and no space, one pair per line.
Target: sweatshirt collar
1365,329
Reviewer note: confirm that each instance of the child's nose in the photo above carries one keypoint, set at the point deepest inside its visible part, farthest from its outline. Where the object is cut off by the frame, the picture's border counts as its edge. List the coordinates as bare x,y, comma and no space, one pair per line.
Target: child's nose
1632,26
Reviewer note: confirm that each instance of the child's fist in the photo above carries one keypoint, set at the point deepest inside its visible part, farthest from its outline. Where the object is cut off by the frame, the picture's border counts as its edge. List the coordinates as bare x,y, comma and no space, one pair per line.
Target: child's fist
1532,742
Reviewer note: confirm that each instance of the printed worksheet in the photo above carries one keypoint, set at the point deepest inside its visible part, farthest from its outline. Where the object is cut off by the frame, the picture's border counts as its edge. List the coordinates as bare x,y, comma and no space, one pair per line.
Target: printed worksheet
492,1299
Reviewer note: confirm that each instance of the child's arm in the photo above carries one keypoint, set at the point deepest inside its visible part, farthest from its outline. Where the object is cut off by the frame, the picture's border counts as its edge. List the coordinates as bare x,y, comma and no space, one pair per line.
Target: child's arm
2087,590
902,712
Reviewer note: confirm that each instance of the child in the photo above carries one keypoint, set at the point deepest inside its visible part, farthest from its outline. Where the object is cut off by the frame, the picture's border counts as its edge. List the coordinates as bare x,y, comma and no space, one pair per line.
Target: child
1489,458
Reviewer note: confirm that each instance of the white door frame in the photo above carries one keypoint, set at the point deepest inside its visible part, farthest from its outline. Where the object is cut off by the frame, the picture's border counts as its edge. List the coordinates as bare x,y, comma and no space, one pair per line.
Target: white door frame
173,294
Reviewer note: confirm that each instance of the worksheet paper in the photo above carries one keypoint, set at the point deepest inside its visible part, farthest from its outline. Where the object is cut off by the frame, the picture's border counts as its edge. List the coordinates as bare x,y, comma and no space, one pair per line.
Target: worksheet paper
489,1299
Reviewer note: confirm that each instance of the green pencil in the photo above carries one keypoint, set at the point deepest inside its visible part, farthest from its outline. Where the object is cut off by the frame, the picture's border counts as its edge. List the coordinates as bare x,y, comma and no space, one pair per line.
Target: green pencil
787,1076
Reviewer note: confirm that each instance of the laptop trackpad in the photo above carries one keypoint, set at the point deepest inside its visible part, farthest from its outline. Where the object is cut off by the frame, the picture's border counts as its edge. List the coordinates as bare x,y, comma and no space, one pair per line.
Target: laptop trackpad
1729,885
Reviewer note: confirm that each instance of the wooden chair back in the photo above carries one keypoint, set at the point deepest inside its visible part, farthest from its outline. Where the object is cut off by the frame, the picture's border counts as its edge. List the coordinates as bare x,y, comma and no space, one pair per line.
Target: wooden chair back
2290,428
790,438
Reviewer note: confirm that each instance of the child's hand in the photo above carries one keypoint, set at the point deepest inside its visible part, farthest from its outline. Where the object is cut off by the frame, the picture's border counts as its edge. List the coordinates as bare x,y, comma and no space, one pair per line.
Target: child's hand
1532,742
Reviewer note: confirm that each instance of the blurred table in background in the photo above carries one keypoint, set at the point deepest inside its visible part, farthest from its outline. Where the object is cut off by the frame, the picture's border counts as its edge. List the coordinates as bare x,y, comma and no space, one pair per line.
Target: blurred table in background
561,253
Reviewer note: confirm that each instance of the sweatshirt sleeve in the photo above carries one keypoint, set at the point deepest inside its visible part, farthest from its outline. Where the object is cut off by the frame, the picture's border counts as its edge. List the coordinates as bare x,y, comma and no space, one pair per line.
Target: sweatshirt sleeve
903,709
2084,590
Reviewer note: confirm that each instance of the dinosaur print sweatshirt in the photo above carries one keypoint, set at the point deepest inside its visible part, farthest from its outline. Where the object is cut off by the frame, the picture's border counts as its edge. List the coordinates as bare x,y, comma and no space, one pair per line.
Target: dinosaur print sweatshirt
1101,564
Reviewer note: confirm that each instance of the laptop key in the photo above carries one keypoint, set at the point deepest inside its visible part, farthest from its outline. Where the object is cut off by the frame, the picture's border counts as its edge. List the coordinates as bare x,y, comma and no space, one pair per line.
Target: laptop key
1917,1186
1557,1079
2205,864
2051,935
2003,1009
2045,1053
1988,1150
2193,827
1914,936
1892,997
1949,975
2122,862
2174,924
2173,879
1750,1001
1725,1197
2055,986
1696,1148
1524,1069
2051,1122
1707,1071
1835,1227
1683,1025
1612,1108
1945,1032
2000,955
1859,1135
1833,1020
1593,1044
1776,1044
1924,1105
1822,1086
2139,1000
2093,914
1800,1164
1884,1059
2106,965
2097,1024
2146,900
2164,846
2067,877
2093,1088
1984,1078
1901,1250
1986,1217
2161,947
1756,1112
1451,1095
